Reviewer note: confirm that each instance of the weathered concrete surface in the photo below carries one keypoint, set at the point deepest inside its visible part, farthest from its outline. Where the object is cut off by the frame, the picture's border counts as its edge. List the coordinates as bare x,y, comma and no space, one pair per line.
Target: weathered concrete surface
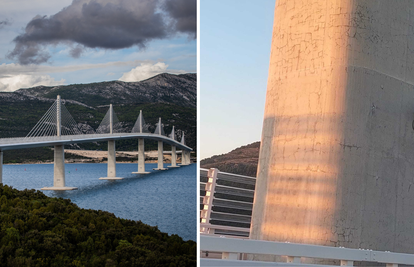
111,173
160,165
141,157
336,160
59,171
59,167
173,158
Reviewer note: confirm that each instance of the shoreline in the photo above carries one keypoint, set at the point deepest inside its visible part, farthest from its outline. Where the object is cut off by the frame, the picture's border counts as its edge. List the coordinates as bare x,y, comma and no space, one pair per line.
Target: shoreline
93,156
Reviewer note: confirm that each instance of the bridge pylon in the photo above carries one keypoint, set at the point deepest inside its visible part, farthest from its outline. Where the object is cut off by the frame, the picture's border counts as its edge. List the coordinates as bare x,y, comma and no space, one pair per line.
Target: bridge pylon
59,156
139,127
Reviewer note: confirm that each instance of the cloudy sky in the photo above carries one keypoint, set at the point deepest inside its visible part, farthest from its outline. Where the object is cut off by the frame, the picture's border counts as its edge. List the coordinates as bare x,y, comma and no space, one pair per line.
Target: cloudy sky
234,61
48,42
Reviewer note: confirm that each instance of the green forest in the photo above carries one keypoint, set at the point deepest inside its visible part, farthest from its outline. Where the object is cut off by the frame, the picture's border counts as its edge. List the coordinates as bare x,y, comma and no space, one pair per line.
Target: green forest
37,230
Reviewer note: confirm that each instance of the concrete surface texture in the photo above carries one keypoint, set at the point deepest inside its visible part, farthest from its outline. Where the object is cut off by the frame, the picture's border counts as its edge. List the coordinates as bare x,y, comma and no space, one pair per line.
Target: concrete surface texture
111,159
336,163
59,167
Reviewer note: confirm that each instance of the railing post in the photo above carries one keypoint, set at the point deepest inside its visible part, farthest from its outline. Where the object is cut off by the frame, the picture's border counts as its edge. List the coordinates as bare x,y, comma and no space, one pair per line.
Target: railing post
347,263
208,199
293,259
230,256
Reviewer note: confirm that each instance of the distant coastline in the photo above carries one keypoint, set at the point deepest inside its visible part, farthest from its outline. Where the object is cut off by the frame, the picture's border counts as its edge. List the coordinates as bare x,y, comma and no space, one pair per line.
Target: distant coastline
94,156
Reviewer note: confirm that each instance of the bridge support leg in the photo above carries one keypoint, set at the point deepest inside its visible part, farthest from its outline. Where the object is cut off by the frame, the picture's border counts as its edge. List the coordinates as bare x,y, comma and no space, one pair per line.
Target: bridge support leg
188,157
141,157
173,157
59,171
160,157
185,157
111,162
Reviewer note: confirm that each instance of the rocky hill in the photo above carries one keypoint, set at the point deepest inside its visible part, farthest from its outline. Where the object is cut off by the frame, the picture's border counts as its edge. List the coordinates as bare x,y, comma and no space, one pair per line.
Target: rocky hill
242,160
171,97
164,88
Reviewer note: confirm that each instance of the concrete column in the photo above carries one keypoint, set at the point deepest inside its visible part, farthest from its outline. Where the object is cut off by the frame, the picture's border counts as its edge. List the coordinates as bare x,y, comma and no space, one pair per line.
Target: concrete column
111,162
335,163
141,157
1,167
182,158
59,170
160,166
59,167
173,157
185,159
188,157
111,159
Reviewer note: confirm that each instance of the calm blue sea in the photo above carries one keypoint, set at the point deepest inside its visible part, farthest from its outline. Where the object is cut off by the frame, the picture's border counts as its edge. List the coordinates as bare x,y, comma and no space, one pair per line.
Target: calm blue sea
163,198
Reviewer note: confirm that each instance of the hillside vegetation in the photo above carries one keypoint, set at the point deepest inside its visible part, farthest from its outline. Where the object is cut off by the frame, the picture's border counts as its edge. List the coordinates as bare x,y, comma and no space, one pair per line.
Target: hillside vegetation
242,160
37,230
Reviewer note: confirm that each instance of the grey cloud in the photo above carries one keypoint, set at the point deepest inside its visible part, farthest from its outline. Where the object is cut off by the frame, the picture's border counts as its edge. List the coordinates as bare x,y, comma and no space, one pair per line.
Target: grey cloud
76,52
109,24
184,15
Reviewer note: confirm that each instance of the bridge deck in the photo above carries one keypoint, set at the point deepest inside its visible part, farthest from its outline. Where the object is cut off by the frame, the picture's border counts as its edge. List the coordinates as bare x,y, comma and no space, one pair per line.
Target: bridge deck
18,143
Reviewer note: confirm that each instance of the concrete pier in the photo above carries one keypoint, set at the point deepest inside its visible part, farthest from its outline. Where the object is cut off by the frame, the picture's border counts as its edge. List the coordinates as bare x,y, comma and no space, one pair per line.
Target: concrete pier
59,171
336,162
141,157
160,161
185,157
111,162
173,158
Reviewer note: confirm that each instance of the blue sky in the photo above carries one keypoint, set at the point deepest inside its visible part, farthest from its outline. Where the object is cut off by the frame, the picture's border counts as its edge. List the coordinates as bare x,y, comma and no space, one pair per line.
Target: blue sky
173,52
234,60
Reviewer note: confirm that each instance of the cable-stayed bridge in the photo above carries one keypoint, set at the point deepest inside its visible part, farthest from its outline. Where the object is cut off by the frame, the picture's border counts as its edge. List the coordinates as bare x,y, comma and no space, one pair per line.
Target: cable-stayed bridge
58,128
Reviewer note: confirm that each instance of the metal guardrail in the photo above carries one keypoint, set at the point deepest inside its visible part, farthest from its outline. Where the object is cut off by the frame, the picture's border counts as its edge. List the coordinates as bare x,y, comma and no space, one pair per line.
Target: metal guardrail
226,202
232,248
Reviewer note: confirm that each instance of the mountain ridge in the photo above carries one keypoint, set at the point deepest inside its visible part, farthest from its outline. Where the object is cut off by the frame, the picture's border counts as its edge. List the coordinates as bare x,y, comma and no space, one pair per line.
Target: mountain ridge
163,88
242,160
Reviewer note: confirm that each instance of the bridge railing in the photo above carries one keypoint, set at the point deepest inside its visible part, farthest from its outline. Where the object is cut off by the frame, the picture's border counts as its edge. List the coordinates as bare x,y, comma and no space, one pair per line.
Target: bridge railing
232,250
226,202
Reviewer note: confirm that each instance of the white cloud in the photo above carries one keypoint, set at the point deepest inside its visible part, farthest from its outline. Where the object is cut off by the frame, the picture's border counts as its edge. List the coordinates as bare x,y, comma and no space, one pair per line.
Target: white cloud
13,83
147,70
